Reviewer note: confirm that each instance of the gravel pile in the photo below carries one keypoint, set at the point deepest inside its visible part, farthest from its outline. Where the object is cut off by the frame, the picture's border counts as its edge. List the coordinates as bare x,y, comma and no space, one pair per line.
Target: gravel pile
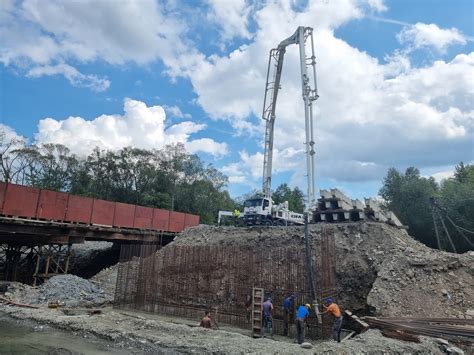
106,280
70,291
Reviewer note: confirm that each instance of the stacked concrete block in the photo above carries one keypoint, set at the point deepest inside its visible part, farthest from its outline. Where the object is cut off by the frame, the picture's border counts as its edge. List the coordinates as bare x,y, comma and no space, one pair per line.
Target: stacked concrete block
334,206
375,211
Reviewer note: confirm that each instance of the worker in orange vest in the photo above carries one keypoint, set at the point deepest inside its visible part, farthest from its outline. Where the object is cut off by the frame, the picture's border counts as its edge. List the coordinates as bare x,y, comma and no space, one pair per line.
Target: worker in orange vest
332,308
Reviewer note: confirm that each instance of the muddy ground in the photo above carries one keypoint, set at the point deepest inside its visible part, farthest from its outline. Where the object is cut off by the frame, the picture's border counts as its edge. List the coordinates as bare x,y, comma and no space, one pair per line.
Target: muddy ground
152,334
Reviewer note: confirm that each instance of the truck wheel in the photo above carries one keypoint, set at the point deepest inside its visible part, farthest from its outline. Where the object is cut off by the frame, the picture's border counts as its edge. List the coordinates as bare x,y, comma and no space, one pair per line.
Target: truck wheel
282,223
268,223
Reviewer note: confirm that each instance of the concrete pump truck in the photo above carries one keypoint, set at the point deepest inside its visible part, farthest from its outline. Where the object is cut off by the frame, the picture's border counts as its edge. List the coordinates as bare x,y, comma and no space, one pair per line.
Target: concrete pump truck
261,210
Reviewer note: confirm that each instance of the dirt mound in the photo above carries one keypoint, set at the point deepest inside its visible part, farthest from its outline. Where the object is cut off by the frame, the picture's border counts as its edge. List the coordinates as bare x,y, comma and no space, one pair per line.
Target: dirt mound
379,269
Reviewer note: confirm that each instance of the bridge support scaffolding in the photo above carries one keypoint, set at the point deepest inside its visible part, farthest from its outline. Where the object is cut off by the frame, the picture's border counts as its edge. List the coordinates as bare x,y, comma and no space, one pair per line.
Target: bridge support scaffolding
33,263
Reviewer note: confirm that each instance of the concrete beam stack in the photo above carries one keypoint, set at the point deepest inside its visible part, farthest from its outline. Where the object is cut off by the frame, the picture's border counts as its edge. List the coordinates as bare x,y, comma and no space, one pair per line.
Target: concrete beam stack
334,206
375,211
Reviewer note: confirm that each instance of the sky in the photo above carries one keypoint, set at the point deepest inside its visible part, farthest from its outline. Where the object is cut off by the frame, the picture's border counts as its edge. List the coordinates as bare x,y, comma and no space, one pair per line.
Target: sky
395,83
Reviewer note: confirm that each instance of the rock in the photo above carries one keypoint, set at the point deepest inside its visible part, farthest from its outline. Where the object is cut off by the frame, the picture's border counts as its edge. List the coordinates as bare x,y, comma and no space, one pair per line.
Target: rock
444,291
442,341
454,350
71,291
306,345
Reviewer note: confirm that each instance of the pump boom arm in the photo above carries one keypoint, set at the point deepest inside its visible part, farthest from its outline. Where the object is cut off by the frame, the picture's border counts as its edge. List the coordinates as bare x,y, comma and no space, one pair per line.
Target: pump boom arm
275,65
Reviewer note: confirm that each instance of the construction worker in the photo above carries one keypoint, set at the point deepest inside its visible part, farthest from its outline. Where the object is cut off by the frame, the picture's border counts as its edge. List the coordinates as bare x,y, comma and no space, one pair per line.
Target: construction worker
288,313
267,310
236,215
206,321
301,315
332,308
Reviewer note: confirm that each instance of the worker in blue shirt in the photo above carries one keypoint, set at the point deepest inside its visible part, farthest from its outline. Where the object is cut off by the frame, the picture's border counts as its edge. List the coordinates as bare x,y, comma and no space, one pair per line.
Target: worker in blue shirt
301,315
288,313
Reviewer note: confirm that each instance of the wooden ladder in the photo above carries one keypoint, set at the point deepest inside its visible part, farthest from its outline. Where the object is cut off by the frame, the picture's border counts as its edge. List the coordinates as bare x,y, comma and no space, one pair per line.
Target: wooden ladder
257,301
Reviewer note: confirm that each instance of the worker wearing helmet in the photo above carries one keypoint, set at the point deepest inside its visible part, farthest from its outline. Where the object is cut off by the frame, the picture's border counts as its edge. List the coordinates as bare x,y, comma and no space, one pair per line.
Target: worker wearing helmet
332,308
301,315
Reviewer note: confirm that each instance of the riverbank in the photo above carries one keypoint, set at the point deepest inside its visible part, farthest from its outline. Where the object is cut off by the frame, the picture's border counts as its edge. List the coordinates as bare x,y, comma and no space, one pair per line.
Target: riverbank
28,337
153,334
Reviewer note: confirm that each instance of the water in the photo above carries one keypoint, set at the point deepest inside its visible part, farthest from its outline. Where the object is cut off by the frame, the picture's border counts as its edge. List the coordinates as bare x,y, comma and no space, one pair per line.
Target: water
30,338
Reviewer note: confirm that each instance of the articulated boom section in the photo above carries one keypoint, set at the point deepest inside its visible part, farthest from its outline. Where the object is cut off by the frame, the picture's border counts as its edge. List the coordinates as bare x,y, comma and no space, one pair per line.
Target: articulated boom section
261,210
269,105
310,94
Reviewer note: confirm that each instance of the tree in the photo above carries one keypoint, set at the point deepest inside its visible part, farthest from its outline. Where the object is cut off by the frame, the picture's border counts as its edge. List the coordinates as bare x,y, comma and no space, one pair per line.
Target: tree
15,157
457,198
51,167
294,197
169,178
407,195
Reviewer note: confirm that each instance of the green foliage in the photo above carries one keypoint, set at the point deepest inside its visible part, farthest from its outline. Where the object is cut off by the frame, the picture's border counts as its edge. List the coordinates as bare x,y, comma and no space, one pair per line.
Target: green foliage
168,178
457,197
294,197
407,195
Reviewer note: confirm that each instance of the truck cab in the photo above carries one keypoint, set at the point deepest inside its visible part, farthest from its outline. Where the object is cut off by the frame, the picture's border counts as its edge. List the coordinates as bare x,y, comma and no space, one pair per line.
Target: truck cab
258,210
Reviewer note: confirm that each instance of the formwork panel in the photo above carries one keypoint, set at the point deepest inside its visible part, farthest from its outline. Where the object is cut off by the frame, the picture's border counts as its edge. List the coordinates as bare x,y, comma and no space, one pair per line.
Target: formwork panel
52,205
103,212
161,219
3,187
191,220
21,201
124,215
79,209
176,221
143,217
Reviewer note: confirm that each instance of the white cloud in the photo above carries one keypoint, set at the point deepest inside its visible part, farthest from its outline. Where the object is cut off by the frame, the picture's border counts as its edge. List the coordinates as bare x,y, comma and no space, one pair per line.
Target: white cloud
370,115
140,126
231,16
176,111
9,134
422,35
46,34
72,75
207,145
236,174
443,175
378,5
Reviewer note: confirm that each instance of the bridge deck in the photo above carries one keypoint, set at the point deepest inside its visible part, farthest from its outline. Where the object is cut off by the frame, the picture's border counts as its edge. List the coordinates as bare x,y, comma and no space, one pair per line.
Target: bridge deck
33,232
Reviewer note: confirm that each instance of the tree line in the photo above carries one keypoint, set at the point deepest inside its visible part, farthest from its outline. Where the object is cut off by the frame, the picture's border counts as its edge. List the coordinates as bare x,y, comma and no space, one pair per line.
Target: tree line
169,178
410,196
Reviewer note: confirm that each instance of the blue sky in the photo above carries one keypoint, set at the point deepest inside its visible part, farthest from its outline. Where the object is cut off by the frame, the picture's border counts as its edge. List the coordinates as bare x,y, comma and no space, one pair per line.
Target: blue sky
395,79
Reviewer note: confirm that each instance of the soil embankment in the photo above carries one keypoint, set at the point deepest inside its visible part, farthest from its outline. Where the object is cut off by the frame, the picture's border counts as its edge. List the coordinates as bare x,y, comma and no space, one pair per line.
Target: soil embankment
379,268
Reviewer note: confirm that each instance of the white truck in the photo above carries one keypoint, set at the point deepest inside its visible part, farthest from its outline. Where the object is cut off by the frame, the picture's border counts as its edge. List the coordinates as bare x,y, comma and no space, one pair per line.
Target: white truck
261,209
